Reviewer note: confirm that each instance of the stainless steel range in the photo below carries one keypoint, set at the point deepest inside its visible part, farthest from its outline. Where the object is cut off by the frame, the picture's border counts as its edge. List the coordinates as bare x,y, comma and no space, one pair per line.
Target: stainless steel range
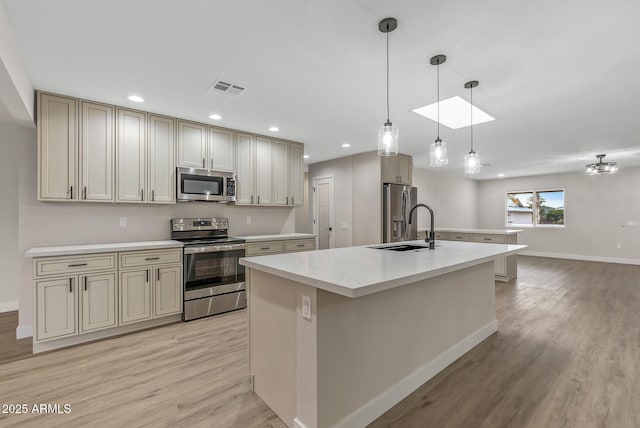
213,276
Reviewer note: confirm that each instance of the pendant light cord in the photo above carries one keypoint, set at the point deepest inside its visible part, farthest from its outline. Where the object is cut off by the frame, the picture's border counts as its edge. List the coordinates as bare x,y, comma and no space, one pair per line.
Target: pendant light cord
471,119
387,73
438,68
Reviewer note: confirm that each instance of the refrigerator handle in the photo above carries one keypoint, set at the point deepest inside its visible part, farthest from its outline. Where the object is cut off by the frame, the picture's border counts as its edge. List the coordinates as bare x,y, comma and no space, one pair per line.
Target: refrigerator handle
403,225
387,207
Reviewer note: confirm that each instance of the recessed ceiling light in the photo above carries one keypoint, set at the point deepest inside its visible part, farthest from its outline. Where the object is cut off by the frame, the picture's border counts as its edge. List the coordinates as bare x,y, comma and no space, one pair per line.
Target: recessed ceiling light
306,156
454,113
215,116
501,175
346,145
136,99
274,129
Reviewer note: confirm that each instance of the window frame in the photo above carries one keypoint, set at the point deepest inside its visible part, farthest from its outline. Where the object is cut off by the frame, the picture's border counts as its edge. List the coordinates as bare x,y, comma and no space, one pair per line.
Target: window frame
535,215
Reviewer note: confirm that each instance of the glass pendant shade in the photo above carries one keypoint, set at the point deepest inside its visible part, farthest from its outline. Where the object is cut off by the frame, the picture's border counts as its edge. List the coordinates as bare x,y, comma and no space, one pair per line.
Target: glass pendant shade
472,163
388,140
439,153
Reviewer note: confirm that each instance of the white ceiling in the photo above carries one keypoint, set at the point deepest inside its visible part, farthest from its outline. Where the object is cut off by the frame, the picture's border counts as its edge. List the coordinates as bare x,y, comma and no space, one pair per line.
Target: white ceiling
560,77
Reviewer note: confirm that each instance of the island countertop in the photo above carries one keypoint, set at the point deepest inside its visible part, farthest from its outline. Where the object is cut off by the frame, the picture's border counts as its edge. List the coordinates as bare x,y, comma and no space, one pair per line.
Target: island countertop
359,271
467,230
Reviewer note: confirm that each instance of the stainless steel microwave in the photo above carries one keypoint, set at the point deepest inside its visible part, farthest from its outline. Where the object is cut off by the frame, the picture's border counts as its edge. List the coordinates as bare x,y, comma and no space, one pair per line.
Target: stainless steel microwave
194,184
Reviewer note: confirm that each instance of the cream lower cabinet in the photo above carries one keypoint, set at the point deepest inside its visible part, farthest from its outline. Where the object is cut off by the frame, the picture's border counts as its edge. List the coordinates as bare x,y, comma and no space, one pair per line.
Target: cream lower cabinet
85,297
262,248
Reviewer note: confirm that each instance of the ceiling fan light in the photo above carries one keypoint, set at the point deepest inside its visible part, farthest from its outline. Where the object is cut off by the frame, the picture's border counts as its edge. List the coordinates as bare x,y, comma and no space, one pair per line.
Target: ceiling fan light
601,167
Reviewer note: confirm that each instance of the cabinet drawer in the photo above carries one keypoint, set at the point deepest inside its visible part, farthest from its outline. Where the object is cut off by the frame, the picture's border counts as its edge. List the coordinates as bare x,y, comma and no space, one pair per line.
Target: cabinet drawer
51,266
490,239
300,245
453,236
441,235
146,258
261,248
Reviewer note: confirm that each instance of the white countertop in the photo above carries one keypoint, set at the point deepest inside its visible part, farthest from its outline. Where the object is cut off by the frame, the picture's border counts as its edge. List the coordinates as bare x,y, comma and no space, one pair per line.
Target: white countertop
68,250
258,238
358,271
487,231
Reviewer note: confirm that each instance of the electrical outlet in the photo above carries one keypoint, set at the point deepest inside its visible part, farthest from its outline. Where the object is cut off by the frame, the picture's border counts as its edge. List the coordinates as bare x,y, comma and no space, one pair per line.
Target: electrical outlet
248,220
123,222
306,307
619,245
344,226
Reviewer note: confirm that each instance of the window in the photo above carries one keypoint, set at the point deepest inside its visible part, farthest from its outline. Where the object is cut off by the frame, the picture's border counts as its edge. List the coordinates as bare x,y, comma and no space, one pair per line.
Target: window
535,208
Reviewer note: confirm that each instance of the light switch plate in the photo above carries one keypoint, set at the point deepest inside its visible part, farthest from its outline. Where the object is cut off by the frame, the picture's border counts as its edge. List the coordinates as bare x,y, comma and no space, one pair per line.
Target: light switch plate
123,222
248,220
306,307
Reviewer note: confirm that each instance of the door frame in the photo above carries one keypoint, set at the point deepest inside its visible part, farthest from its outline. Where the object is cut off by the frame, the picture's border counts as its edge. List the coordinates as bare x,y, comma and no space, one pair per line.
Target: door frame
316,223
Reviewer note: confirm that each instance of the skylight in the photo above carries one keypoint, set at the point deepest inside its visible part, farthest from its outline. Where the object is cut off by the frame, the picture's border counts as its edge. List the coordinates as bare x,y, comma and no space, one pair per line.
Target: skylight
454,113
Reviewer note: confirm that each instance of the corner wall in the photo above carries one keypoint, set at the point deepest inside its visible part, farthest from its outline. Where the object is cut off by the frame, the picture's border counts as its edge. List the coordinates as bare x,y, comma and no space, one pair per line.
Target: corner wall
595,207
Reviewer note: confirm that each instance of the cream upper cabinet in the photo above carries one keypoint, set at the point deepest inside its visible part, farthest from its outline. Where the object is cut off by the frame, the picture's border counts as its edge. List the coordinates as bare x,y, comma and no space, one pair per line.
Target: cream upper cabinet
397,169
56,308
245,170
167,291
57,148
161,160
296,174
221,149
280,172
96,152
192,144
135,296
98,301
132,156
264,171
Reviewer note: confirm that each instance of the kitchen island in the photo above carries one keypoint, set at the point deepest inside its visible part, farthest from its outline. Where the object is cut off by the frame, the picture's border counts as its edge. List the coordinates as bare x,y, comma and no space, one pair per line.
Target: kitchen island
339,336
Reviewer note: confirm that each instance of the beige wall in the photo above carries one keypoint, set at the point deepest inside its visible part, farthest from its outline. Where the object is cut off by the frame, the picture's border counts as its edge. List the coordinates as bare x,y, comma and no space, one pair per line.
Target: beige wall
304,223
43,224
11,137
595,207
454,200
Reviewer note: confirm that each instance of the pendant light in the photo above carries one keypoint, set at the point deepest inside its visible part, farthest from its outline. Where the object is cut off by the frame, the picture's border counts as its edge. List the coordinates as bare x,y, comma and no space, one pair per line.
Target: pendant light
472,160
388,134
601,167
438,148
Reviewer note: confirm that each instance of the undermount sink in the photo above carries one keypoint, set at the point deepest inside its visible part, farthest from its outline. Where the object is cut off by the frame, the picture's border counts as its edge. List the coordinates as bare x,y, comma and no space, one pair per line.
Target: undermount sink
403,247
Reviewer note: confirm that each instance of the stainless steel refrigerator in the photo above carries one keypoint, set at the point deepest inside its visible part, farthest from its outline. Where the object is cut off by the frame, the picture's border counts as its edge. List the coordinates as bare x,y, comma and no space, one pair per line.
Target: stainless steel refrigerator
397,200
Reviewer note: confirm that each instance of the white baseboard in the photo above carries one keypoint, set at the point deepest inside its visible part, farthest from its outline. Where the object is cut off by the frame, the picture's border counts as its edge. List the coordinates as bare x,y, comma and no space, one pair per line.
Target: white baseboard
392,396
24,331
581,257
8,306
298,424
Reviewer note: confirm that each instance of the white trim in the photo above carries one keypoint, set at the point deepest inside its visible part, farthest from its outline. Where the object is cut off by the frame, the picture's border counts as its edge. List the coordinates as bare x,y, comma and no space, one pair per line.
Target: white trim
392,396
581,257
23,331
8,306
298,424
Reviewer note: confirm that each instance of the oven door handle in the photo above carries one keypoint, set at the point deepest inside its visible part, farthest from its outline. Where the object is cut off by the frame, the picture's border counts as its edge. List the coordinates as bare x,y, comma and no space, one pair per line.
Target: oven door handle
213,248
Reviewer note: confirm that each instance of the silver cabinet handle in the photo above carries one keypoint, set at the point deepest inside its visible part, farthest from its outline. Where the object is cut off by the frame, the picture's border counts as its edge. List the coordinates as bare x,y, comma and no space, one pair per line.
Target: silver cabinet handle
84,192
158,274
153,195
293,200
152,258
203,163
70,285
300,245
71,190
77,265
211,163
251,199
487,239
265,248
287,200
142,194
85,283
147,275
258,199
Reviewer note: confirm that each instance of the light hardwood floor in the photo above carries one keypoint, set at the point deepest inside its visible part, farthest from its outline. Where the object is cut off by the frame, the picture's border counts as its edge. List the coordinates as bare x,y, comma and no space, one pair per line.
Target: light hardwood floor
567,354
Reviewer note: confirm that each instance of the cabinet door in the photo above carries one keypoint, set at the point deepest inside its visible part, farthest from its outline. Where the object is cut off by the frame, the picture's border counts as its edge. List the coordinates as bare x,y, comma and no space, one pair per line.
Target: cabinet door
57,306
389,169
264,171
167,293
221,149
97,152
500,266
404,169
296,174
245,171
57,148
135,296
280,173
192,145
132,156
162,160
98,301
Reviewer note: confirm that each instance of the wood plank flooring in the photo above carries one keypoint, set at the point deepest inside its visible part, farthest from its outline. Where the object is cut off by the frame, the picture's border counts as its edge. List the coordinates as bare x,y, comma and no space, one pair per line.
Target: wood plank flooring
567,354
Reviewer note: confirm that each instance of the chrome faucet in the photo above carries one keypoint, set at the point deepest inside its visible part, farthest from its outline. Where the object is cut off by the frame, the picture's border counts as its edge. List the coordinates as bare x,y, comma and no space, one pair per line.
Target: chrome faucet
431,236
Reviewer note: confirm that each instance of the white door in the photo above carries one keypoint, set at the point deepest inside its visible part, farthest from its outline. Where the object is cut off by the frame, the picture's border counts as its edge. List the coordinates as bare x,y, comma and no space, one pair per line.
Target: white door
132,156
98,301
97,152
135,296
245,172
221,149
296,174
162,160
56,306
167,291
192,145
280,172
264,171
323,211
